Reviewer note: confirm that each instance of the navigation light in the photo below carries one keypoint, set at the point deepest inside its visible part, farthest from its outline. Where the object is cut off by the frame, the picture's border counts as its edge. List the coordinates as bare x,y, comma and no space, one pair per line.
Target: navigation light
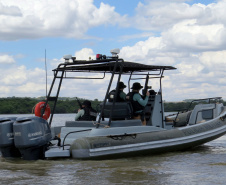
98,56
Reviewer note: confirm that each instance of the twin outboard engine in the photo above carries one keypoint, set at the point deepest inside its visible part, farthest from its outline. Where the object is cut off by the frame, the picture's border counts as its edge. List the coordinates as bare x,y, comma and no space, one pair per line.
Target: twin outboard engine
31,137
7,146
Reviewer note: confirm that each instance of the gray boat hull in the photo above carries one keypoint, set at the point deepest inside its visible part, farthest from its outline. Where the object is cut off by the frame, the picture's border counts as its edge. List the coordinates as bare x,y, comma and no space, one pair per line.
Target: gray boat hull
145,140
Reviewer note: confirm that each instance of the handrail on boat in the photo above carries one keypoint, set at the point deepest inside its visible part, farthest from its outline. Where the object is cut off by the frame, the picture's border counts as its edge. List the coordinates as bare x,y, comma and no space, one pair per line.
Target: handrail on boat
196,100
72,133
186,110
214,98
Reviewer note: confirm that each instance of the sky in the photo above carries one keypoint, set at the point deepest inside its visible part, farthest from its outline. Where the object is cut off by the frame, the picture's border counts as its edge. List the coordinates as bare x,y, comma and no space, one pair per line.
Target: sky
189,35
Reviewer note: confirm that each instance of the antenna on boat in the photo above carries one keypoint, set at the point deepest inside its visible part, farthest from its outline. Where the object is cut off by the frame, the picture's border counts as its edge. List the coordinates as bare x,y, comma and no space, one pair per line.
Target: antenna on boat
46,72
115,52
67,58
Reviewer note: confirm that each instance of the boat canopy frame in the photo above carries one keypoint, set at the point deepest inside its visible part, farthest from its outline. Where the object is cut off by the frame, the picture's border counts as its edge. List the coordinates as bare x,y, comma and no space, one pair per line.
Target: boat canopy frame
112,65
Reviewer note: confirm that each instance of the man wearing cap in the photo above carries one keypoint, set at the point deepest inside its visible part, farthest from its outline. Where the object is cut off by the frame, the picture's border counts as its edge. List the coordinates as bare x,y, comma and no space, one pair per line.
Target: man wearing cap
138,103
121,96
87,113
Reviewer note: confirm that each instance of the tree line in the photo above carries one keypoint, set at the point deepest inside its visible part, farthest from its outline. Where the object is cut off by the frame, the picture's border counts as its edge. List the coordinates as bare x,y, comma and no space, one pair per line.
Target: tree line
17,105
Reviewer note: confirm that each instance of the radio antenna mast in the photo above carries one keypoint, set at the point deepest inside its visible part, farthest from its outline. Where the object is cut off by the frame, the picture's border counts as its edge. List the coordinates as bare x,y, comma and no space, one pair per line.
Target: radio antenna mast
46,72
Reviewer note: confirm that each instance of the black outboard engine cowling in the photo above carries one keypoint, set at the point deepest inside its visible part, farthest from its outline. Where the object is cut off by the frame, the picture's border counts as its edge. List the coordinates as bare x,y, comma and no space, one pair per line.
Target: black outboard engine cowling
32,135
7,146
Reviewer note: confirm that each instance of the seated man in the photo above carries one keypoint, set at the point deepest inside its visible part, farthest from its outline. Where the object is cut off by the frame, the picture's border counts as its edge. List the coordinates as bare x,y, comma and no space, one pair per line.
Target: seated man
87,113
121,96
138,103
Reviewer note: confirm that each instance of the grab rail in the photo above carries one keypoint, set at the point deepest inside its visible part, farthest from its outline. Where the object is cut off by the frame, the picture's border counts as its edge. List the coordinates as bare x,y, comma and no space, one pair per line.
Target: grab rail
214,98
72,133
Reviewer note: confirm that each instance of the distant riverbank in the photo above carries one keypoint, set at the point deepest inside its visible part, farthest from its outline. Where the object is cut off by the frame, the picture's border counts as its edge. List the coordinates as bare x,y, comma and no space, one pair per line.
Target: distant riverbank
17,105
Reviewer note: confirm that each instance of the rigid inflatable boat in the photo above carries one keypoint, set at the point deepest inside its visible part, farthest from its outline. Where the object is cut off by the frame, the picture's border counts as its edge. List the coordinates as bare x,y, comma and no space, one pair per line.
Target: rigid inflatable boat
115,133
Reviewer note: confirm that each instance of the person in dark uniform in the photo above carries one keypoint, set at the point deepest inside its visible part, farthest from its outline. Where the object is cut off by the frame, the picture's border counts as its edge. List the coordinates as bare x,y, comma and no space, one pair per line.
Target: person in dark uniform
121,96
138,103
87,113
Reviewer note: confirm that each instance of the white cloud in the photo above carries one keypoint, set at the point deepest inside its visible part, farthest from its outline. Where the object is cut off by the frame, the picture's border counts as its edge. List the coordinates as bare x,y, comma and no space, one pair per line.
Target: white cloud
191,69
190,37
85,54
46,18
162,15
9,10
141,49
214,60
14,76
55,62
6,59
17,80
195,47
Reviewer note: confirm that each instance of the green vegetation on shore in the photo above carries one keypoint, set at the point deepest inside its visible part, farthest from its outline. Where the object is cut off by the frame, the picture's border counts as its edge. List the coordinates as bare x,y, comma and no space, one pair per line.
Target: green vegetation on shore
16,105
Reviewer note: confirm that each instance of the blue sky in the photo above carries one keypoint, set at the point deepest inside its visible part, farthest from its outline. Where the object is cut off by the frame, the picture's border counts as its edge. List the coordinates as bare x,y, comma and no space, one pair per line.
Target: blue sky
189,35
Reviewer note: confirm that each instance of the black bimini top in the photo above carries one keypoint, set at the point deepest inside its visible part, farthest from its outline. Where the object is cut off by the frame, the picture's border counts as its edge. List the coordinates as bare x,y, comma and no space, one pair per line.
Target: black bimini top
107,66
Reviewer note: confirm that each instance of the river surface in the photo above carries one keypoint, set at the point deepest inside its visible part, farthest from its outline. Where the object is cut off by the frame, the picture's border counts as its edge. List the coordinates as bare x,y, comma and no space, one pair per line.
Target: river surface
204,165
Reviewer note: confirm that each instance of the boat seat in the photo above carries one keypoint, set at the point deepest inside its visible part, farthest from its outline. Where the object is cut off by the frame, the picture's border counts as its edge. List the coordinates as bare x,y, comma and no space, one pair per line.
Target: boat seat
120,111
205,112
120,123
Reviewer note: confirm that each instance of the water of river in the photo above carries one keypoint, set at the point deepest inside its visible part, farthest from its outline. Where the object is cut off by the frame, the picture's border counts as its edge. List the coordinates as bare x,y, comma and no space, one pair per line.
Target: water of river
204,165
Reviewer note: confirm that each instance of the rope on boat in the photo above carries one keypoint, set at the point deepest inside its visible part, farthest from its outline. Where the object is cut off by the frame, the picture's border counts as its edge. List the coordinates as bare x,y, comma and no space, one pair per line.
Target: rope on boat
105,126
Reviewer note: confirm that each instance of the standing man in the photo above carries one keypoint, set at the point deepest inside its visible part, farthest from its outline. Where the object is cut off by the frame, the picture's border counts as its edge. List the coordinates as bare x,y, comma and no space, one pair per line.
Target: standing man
87,113
138,103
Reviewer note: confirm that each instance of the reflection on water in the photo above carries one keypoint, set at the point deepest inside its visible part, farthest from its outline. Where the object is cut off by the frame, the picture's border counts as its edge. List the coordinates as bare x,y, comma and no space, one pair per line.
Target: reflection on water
204,165
199,166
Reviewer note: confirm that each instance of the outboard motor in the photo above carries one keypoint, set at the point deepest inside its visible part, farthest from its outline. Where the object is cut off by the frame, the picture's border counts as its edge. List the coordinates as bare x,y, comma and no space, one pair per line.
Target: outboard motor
7,146
32,135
